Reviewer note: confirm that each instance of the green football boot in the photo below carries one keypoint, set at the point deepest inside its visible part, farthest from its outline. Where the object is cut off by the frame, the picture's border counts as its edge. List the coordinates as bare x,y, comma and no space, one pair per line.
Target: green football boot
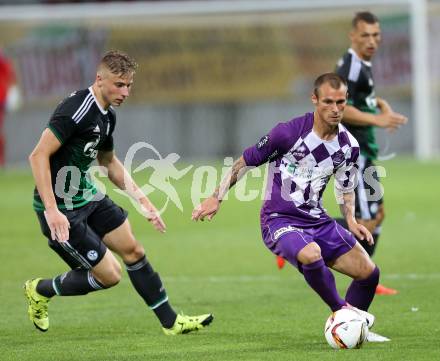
38,305
185,324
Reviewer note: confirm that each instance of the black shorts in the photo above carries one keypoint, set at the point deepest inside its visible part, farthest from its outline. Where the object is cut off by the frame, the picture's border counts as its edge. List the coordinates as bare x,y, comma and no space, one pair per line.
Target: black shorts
368,192
88,225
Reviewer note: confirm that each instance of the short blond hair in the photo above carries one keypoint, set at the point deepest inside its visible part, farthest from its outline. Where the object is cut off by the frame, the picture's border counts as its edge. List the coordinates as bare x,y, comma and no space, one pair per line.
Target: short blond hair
117,62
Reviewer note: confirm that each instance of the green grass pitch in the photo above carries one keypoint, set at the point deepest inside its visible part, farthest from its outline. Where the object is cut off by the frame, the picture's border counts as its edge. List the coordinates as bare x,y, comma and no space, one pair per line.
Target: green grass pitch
222,266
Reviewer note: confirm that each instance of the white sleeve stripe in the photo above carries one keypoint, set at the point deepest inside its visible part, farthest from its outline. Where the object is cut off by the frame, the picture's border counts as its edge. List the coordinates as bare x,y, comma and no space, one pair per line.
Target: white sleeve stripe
74,253
86,99
355,69
78,119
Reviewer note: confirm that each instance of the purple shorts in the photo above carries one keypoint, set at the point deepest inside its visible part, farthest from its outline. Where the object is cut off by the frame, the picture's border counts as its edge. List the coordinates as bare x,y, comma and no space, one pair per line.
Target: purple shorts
285,239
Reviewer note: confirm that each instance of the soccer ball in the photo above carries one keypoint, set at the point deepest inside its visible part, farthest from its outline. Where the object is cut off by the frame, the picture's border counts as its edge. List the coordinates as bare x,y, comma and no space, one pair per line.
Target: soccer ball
346,329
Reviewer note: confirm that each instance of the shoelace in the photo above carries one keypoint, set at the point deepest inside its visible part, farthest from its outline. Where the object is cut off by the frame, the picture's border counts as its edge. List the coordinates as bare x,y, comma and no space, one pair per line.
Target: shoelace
189,323
40,311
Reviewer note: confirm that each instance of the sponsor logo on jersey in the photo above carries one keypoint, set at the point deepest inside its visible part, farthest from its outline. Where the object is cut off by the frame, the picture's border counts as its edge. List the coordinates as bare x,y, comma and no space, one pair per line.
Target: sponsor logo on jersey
299,152
279,232
338,159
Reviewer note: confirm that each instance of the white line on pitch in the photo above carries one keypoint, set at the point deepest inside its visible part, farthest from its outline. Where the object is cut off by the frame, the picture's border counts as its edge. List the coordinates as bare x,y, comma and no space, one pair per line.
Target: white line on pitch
268,278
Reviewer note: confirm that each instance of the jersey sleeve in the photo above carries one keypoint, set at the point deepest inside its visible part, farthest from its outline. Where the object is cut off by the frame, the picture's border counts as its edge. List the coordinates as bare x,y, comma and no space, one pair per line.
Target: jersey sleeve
62,126
108,144
62,122
346,175
272,145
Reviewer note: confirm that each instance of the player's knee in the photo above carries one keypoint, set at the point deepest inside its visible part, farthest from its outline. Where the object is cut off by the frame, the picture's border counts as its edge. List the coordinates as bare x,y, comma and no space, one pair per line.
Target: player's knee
112,276
367,270
310,253
112,279
375,274
134,253
372,277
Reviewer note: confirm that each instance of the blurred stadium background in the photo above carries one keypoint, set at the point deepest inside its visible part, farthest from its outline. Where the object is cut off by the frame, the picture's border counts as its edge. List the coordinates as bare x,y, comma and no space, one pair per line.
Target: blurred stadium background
216,75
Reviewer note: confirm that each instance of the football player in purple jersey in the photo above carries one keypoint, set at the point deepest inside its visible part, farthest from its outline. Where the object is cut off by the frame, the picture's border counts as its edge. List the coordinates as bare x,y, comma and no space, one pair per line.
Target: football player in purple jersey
303,154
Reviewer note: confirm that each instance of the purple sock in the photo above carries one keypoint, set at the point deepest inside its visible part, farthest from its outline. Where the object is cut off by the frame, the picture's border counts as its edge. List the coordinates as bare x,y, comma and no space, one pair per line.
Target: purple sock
321,279
361,292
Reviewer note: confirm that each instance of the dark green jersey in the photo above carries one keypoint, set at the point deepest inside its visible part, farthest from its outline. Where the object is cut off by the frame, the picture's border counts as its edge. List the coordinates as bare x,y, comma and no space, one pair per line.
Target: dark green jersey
361,95
83,128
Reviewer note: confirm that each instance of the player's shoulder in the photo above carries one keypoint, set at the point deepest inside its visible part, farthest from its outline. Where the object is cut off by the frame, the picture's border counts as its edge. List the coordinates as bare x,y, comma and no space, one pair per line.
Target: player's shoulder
344,61
288,132
345,58
300,124
76,103
346,139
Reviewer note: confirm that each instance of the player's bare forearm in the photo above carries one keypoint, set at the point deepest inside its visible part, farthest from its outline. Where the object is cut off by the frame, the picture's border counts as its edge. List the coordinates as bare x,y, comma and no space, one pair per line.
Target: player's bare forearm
347,207
383,105
39,160
43,180
387,119
236,172
119,176
347,210
354,116
210,206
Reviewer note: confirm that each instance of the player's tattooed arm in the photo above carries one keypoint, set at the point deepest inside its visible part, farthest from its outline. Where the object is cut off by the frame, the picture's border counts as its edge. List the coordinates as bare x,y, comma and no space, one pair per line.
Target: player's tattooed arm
236,172
347,210
347,207
210,206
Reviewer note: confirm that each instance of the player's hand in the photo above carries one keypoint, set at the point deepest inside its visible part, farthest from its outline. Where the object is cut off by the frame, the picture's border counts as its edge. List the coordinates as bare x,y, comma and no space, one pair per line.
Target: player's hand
58,225
208,208
391,121
361,232
153,216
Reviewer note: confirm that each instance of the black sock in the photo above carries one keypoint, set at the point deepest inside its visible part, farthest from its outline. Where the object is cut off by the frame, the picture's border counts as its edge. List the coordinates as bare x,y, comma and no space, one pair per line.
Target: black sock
45,288
149,286
73,283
